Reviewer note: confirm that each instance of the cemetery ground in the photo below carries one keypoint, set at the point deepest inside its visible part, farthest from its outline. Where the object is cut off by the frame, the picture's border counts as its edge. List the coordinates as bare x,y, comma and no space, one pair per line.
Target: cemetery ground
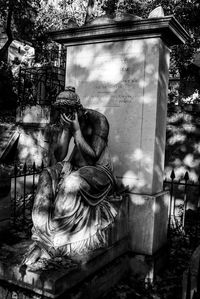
168,282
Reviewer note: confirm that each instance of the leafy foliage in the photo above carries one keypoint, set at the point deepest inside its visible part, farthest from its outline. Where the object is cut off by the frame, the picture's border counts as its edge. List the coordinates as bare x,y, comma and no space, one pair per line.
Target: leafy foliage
17,17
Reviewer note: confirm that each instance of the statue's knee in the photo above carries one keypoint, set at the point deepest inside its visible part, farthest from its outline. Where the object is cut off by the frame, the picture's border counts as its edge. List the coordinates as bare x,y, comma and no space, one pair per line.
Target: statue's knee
72,183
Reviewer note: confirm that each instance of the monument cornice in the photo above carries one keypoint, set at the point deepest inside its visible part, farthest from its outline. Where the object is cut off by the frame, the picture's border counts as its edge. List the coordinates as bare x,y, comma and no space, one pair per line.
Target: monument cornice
167,28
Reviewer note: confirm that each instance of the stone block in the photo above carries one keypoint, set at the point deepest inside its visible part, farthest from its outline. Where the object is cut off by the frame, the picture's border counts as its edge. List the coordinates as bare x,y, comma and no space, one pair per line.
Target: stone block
148,222
33,145
56,282
34,114
127,81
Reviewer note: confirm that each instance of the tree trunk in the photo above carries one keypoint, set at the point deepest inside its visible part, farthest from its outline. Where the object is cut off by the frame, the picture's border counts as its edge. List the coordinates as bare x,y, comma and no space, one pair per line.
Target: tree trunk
4,49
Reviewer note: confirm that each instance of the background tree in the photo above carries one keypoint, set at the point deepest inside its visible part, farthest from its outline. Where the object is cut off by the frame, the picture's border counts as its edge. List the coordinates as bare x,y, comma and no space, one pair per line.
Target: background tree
18,20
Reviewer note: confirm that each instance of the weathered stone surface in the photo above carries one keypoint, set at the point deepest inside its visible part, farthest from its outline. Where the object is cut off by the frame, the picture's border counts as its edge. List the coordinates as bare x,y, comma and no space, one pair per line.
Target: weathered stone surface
34,114
168,27
148,222
127,81
52,283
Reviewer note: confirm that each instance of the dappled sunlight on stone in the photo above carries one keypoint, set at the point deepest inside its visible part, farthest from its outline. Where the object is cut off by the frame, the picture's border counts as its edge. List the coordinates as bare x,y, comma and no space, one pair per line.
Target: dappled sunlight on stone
166,200
138,200
143,83
140,156
105,68
156,208
137,155
137,50
88,60
115,159
150,70
130,179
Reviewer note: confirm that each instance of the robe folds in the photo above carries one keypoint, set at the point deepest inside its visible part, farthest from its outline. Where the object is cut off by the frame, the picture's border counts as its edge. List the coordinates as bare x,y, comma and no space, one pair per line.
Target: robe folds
71,211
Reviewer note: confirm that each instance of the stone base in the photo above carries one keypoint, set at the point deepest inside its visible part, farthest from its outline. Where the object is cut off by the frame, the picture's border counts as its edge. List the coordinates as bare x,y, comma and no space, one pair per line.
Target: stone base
56,283
148,222
146,267
66,275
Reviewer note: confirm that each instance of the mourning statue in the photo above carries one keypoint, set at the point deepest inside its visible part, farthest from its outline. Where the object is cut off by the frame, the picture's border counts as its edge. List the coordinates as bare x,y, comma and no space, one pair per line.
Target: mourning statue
71,210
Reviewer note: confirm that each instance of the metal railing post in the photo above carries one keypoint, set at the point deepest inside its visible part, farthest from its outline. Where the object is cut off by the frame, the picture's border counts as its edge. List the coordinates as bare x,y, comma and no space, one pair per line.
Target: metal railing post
15,194
186,178
24,195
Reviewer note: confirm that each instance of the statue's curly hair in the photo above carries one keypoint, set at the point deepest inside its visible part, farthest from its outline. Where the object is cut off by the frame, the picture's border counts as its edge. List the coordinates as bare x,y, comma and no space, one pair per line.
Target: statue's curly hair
68,98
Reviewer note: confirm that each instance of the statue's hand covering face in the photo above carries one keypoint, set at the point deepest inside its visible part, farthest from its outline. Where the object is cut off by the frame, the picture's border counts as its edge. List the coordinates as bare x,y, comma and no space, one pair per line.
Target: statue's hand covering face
68,102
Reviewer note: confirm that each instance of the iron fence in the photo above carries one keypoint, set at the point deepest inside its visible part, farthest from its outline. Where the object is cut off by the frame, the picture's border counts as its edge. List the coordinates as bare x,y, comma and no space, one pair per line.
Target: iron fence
184,195
40,85
23,186
184,202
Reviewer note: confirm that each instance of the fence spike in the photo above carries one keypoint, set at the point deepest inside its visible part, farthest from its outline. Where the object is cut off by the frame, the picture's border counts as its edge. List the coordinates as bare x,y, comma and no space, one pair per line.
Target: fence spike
34,168
25,167
186,177
42,165
172,176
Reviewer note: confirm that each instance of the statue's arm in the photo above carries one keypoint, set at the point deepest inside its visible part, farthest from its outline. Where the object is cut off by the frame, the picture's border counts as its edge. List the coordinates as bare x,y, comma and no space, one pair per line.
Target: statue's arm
62,145
92,151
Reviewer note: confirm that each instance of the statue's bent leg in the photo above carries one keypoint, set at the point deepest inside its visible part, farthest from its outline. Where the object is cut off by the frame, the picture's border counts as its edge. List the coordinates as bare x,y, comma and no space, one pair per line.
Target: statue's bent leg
66,202
41,213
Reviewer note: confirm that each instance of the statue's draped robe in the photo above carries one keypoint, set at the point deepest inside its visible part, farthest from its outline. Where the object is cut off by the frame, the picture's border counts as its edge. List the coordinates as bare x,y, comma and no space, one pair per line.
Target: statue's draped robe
71,211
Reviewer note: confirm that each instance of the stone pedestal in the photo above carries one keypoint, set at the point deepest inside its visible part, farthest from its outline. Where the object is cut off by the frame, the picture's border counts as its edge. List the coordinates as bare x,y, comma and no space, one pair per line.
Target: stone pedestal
148,222
89,274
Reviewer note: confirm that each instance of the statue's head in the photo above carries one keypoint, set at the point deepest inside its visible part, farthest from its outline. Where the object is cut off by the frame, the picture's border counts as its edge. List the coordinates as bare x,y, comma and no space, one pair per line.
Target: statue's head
68,101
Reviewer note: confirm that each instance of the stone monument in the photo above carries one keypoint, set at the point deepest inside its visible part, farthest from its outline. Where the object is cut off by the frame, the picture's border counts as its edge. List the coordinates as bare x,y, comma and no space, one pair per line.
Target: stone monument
119,67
